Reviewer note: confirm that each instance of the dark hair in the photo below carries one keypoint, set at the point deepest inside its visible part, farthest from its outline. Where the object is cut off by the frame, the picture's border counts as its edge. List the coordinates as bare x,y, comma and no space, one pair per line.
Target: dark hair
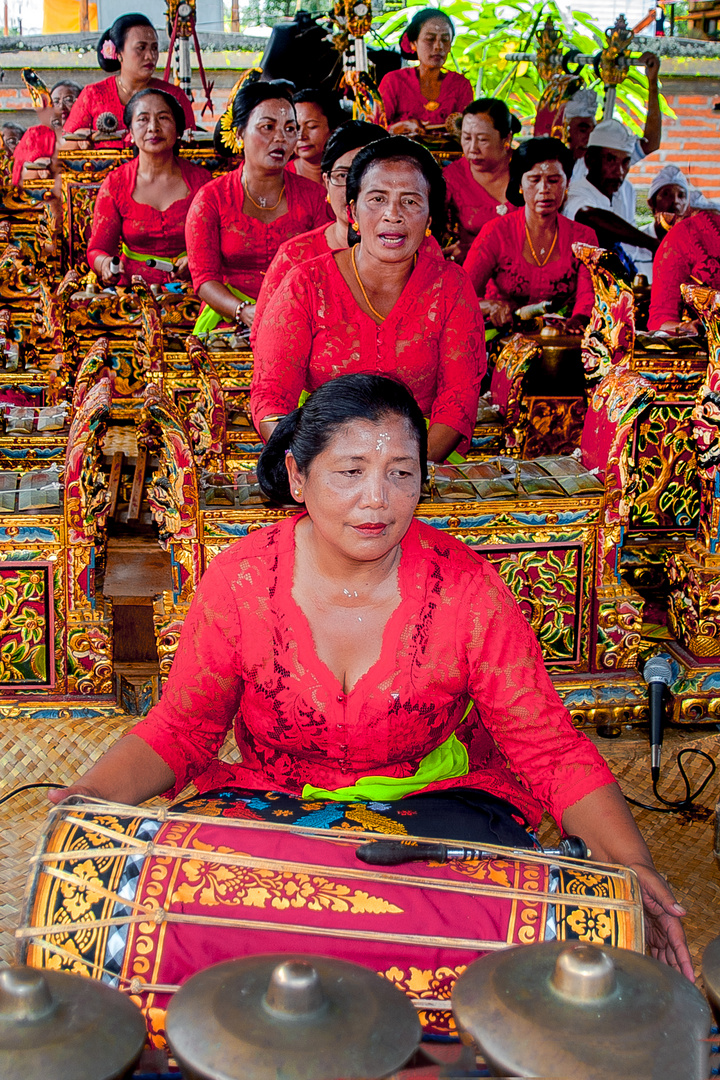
308,430
504,122
252,94
412,31
532,153
352,135
65,82
117,33
13,127
400,148
327,103
173,104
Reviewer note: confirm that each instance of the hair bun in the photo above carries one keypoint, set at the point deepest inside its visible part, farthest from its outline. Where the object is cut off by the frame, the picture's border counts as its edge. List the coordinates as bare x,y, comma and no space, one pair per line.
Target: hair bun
106,60
515,124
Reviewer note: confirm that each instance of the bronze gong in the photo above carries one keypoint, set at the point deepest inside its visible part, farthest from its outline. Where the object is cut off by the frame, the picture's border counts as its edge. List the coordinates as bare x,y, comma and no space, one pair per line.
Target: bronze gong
576,1010
299,1018
65,1027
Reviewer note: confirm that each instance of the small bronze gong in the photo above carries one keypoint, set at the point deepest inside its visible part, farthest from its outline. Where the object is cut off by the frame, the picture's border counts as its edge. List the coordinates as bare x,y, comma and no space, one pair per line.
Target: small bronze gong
576,1010
299,1018
64,1027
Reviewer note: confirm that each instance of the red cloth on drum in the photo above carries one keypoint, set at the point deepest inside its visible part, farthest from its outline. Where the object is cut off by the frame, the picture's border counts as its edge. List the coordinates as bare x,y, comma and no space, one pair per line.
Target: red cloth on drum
294,252
226,245
100,97
404,100
312,907
689,254
499,271
118,217
246,657
470,203
433,340
37,142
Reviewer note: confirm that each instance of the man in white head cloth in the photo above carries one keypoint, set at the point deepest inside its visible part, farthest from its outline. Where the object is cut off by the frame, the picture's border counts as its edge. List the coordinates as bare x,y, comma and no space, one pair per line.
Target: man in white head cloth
581,110
669,193
604,199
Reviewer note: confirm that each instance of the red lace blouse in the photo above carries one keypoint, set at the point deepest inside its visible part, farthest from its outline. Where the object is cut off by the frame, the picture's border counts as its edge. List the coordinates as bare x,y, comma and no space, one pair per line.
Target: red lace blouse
100,97
312,330
403,99
226,245
117,217
499,271
690,253
37,142
246,658
469,203
294,252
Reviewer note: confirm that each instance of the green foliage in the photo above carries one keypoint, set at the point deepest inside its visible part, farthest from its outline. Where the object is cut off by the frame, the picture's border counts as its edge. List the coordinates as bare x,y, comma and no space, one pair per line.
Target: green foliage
269,12
486,32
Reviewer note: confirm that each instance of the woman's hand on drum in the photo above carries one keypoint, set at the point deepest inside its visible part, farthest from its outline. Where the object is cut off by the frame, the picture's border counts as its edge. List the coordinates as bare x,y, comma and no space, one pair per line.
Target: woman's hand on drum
576,324
664,932
56,795
103,271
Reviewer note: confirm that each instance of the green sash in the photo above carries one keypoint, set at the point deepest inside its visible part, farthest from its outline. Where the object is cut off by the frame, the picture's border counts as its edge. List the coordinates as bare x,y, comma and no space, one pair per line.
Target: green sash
445,762
209,318
138,256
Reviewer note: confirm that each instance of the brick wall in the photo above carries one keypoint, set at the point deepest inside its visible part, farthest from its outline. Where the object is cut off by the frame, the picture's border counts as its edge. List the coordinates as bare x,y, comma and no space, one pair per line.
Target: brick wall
690,140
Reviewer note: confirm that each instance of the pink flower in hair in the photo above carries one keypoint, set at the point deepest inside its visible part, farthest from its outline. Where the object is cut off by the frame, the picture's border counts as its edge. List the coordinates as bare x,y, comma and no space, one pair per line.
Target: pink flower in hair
108,51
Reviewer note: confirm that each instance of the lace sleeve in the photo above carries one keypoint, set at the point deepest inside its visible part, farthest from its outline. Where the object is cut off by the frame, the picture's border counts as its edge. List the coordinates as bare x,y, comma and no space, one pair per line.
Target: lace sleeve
283,345
482,258
202,238
279,267
389,97
188,725
107,224
462,363
518,703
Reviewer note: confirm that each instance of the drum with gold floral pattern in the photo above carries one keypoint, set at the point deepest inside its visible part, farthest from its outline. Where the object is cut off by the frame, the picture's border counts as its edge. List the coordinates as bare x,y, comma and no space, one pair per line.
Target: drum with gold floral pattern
144,898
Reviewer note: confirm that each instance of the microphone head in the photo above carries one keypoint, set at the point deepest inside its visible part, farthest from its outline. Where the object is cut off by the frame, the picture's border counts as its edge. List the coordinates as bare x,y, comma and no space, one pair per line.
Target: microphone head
657,669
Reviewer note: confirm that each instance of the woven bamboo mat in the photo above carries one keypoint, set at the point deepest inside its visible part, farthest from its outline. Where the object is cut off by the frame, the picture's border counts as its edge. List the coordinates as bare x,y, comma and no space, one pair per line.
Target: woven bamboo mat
682,848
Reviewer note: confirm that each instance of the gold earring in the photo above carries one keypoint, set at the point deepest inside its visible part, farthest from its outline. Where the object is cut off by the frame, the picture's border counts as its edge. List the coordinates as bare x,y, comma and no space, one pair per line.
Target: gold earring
428,231
327,198
355,227
298,492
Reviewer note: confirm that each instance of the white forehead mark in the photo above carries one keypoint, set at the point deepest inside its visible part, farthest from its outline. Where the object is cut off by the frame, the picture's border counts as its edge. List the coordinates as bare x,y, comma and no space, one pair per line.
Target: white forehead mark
382,440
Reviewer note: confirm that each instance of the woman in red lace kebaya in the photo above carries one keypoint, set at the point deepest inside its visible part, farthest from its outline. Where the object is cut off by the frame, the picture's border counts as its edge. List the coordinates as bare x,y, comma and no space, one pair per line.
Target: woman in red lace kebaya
386,305
129,49
39,144
318,115
359,654
527,256
141,207
689,254
340,151
238,221
417,98
477,182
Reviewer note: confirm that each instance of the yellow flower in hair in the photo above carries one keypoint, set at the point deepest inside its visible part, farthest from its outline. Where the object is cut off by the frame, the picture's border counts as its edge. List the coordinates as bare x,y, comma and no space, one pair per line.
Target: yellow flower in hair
228,135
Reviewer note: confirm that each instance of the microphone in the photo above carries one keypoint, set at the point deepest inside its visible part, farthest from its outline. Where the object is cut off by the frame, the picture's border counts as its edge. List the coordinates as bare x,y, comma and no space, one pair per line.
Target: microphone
657,674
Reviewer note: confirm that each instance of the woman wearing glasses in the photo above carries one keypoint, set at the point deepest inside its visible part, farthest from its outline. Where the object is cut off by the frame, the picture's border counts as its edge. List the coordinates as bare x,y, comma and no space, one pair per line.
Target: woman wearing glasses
340,150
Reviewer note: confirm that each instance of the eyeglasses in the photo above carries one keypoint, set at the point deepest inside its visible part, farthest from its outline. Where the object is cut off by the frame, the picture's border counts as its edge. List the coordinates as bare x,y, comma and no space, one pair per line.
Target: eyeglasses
69,99
339,178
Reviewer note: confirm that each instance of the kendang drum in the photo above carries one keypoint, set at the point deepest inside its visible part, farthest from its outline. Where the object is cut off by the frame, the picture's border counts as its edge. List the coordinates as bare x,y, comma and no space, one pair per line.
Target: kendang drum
145,898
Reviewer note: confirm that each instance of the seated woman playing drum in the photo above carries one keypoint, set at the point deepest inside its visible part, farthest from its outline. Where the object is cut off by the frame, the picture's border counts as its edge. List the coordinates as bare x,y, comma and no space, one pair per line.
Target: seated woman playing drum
340,152
527,257
359,653
129,49
141,207
387,304
239,220
35,156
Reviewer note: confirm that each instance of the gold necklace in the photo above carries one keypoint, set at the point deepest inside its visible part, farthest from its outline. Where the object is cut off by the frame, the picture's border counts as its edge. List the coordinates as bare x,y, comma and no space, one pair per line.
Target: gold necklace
262,205
362,287
532,249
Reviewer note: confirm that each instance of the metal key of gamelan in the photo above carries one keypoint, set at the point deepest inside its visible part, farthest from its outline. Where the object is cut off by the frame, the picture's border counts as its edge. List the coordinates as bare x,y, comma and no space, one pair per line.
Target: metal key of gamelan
395,852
